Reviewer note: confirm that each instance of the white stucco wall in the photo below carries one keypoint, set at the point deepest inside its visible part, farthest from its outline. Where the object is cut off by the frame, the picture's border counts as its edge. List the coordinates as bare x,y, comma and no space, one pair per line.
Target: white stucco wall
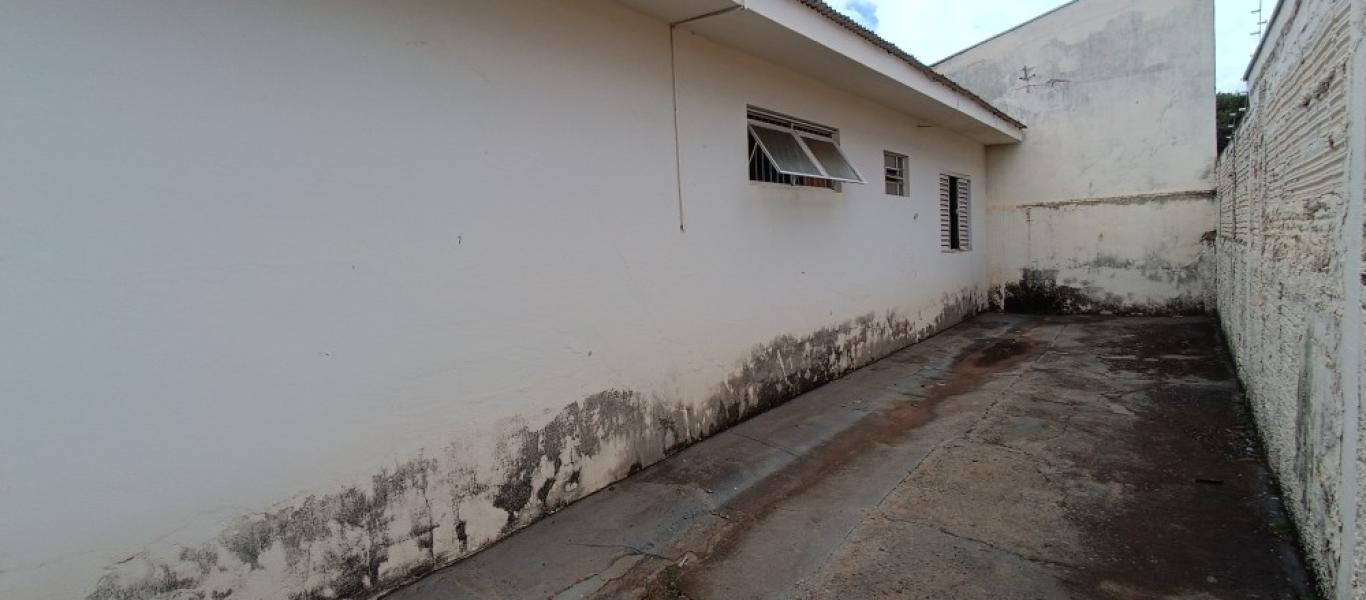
1104,205
1289,248
302,294
1136,255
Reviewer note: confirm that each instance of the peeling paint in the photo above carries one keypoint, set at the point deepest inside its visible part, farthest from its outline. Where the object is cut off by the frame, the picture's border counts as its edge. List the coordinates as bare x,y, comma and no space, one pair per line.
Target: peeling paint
1129,200
420,514
534,462
1085,256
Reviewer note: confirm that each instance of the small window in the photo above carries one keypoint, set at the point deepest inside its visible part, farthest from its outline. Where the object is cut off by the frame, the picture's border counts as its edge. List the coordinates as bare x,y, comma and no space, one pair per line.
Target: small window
955,213
791,152
895,166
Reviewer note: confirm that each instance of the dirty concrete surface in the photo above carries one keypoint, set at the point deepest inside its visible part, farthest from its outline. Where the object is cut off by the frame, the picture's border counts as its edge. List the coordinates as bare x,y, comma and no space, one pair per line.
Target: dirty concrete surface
1010,457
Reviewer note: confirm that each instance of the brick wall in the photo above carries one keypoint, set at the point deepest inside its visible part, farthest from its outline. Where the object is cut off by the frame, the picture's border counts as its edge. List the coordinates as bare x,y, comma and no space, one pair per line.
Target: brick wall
1283,256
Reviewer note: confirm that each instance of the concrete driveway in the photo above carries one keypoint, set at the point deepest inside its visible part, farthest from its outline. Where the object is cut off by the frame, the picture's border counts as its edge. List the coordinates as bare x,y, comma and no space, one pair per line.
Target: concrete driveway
1010,457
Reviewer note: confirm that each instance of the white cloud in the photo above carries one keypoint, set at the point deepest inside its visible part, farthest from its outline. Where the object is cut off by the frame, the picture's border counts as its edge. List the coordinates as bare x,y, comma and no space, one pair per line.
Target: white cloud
934,29
863,11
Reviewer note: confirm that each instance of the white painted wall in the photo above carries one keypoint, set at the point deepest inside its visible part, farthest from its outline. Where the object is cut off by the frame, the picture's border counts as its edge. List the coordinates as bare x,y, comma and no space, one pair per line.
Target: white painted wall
1103,206
1289,250
258,251
1135,255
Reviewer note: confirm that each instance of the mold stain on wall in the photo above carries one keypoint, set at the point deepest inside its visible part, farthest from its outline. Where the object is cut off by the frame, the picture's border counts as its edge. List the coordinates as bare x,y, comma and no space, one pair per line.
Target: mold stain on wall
428,511
1170,274
1039,291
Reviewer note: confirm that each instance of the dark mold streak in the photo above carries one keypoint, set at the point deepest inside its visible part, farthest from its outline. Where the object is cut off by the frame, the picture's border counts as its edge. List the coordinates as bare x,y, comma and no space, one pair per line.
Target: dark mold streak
1039,292
343,544
1136,200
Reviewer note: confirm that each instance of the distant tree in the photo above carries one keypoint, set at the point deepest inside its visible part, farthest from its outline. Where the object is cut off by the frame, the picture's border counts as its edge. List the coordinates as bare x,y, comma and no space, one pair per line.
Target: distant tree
1229,109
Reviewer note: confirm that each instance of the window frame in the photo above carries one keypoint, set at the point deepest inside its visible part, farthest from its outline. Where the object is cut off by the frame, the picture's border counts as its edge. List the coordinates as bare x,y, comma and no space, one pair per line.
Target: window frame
834,143
759,141
902,180
763,172
800,131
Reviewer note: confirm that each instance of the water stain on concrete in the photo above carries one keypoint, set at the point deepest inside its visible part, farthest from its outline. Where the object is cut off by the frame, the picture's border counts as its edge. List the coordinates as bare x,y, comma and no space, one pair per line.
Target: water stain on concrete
1015,456
1191,466
970,369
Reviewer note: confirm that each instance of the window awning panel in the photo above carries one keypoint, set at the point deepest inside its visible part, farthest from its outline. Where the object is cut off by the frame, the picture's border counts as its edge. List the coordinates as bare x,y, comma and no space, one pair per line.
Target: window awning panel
832,160
786,151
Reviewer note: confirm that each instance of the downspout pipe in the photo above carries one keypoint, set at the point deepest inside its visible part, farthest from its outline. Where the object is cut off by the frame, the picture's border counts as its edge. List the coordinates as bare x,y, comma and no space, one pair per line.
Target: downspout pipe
673,75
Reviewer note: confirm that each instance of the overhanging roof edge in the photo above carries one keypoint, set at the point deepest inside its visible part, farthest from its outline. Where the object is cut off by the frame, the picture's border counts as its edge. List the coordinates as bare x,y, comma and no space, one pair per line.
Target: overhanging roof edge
827,11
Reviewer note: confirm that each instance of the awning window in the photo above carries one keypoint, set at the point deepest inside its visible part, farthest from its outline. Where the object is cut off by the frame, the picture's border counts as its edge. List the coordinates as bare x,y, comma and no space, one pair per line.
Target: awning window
831,160
785,150
801,149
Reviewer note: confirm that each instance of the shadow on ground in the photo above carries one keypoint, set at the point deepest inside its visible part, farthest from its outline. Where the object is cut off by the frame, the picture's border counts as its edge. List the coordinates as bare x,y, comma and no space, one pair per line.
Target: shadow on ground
1010,457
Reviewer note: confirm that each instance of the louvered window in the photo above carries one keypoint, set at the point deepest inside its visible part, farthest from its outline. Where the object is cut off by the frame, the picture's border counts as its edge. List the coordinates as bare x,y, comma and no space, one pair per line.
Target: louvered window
792,152
955,213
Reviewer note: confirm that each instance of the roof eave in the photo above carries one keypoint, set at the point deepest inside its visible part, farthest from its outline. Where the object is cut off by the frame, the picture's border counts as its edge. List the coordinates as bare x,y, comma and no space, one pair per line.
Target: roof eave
829,12
811,38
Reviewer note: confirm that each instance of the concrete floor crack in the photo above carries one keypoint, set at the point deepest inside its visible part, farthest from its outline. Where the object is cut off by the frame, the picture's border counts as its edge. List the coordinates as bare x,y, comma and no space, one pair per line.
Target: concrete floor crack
1066,426
834,549
1004,448
632,550
968,538
765,443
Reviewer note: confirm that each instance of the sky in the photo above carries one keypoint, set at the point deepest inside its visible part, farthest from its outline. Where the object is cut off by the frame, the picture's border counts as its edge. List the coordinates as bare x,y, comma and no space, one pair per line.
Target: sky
933,29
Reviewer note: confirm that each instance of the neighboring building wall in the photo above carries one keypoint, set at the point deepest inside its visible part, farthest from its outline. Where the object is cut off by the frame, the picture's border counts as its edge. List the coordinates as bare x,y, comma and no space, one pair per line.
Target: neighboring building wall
1104,206
1289,272
306,298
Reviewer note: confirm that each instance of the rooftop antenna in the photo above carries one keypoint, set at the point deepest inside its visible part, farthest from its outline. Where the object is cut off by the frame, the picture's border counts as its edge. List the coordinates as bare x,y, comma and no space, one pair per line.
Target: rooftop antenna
1261,22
